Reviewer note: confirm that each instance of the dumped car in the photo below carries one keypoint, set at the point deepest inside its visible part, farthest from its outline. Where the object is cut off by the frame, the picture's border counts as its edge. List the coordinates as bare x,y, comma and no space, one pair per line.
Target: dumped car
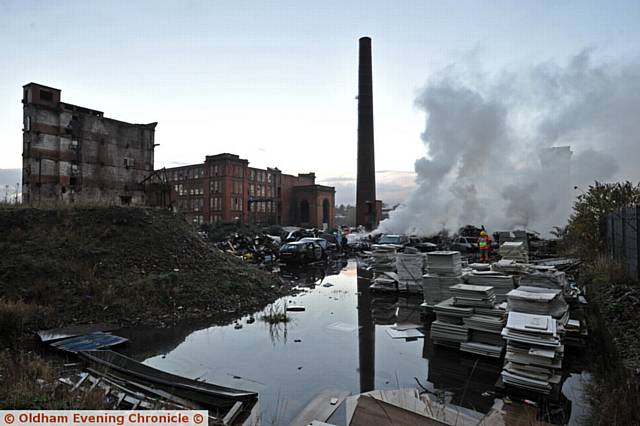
327,247
301,252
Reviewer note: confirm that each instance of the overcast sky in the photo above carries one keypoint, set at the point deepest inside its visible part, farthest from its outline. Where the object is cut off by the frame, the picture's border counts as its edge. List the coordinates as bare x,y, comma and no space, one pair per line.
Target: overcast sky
275,81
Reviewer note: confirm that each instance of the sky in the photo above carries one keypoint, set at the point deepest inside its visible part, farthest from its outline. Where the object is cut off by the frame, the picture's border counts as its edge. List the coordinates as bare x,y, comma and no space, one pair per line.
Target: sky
275,81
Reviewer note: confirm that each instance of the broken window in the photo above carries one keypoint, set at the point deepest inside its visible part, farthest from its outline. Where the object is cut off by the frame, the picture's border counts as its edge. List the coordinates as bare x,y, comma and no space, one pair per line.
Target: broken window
46,95
128,162
125,199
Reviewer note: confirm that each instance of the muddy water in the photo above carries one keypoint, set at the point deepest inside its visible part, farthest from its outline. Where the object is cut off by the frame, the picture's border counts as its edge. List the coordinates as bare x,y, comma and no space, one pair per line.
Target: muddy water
340,341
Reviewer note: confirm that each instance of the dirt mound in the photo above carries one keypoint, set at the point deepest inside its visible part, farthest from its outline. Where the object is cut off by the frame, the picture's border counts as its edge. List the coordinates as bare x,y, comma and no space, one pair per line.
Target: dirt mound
128,264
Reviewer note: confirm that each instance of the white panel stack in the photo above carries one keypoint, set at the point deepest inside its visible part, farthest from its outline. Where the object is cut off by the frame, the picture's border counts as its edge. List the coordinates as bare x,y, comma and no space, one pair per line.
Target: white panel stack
508,267
437,288
410,269
545,278
385,281
444,263
444,270
502,284
540,301
534,352
448,329
410,266
383,258
514,250
473,295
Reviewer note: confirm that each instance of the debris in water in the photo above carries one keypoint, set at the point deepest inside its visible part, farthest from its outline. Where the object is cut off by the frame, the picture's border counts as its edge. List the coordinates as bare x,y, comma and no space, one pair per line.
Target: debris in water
237,326
296,308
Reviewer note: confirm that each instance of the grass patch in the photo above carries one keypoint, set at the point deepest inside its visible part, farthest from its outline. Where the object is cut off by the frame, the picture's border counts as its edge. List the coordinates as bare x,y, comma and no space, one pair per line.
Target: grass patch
614,392
18,318
29,382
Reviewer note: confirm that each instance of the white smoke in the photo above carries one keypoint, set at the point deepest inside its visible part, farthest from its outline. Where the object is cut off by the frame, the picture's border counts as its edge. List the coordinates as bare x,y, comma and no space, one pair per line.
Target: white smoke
487,139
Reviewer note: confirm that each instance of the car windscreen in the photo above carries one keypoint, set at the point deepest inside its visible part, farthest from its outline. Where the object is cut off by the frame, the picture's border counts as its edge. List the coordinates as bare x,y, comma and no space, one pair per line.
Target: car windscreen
390,239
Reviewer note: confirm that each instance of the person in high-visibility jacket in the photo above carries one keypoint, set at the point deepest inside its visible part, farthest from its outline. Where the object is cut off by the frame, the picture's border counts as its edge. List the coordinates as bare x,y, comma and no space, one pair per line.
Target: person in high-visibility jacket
484,243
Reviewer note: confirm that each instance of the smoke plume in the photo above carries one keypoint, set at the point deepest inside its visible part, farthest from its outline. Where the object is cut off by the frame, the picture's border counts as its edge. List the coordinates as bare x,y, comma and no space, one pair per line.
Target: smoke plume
494,143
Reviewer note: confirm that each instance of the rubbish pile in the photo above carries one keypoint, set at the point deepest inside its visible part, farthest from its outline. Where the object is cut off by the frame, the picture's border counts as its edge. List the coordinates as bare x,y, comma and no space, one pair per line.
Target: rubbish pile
444,269
252,247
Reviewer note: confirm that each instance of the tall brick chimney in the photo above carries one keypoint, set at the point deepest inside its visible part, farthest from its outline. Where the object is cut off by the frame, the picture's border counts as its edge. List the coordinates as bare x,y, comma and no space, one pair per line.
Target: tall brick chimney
366,182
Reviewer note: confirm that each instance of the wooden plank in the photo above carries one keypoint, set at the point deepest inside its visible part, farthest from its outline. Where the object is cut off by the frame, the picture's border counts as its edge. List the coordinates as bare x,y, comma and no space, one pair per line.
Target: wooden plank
232,413
80,382
373,412
320,408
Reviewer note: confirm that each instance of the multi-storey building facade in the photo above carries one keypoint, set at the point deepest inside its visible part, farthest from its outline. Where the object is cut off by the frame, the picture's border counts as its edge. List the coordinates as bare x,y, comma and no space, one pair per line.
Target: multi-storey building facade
71,153
225,189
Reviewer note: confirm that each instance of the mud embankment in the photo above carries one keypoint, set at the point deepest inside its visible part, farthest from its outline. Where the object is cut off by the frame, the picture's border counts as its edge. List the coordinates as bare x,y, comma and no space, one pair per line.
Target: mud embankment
128,265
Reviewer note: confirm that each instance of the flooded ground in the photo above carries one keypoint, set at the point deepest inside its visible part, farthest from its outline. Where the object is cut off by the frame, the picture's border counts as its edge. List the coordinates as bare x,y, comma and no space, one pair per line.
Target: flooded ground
340,341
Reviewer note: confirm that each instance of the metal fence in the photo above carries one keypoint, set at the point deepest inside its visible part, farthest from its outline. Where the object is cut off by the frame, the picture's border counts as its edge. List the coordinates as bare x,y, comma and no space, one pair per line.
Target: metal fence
623,238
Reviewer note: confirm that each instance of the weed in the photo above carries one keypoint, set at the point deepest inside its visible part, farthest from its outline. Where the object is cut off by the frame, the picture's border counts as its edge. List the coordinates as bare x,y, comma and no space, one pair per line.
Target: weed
31,383
275,314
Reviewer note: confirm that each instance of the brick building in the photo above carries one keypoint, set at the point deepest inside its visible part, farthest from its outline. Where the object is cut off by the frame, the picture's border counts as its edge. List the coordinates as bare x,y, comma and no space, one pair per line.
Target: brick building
224,189
71,153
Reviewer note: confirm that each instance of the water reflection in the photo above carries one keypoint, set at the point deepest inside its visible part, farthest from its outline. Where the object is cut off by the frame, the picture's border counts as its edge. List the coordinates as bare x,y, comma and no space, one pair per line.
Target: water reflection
339,341
366,337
